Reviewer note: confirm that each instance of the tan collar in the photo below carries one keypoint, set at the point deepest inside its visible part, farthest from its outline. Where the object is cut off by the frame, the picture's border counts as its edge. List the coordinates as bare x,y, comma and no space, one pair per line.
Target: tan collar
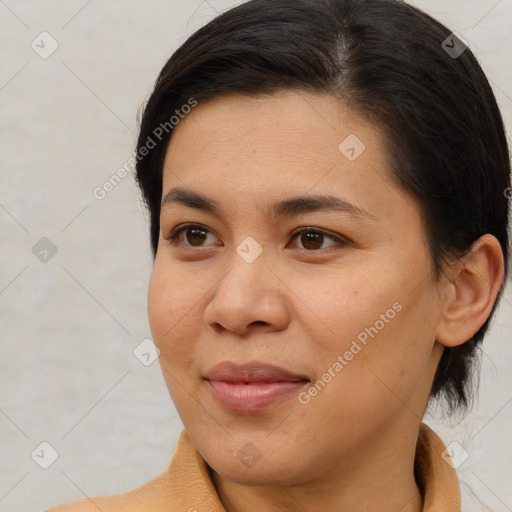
437,479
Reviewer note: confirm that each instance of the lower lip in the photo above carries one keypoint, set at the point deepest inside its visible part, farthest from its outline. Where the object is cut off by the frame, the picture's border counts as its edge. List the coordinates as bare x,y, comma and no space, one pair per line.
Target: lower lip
253,396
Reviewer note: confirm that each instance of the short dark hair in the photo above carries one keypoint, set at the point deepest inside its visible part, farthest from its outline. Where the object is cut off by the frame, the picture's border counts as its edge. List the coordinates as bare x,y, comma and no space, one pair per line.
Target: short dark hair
389,61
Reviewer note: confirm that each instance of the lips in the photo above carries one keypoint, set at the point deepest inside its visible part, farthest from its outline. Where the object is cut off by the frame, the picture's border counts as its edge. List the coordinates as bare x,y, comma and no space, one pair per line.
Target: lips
252,386
252,372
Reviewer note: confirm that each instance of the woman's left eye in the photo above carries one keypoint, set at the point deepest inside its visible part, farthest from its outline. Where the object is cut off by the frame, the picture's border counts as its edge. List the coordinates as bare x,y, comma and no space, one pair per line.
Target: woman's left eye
311,239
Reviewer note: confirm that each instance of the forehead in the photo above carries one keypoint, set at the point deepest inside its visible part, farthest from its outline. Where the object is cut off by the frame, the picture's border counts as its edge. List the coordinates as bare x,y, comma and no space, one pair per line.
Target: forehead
285,144
295,125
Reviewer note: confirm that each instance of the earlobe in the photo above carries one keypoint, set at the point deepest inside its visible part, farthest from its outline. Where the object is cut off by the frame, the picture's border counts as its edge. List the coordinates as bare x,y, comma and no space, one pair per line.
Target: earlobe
473,283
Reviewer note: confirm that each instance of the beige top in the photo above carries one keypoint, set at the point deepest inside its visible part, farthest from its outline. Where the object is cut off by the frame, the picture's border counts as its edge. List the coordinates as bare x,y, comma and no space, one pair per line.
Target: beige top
186,486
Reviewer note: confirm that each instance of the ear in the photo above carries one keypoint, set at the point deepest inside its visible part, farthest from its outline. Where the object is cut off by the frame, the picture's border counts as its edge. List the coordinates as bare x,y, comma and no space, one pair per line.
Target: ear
471,286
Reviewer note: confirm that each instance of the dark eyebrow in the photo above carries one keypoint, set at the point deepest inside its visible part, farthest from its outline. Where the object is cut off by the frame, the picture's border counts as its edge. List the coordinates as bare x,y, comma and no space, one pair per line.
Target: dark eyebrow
288,207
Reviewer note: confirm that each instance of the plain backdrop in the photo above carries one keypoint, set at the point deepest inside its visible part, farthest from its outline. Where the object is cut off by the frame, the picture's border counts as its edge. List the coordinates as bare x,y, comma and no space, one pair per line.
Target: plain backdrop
75,269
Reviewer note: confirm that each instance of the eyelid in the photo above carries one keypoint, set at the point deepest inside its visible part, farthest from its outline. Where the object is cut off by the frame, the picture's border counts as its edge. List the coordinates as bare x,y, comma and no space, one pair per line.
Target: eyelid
341,241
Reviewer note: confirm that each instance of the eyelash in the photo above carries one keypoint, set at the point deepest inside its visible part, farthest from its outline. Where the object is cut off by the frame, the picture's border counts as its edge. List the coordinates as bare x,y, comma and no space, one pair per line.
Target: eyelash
173,237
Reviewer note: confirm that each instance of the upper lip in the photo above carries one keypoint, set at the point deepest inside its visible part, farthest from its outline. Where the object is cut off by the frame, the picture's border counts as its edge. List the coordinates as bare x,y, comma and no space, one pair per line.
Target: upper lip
253,371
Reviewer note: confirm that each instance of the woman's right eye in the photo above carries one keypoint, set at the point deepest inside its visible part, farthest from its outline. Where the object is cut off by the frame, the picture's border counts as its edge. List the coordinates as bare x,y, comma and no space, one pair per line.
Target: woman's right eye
194,235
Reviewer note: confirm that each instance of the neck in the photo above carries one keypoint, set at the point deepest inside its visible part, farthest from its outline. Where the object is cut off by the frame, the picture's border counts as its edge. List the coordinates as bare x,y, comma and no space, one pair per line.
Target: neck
381,478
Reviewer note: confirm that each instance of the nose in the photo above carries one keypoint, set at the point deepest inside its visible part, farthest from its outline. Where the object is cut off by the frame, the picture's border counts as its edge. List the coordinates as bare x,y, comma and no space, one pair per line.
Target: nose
248,296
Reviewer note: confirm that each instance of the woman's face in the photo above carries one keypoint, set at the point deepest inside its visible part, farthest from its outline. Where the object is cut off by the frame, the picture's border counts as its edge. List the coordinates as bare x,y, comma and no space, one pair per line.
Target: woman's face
350,306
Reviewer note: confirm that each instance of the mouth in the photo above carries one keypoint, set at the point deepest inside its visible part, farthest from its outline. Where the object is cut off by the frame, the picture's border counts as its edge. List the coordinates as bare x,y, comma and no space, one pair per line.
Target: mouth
253,386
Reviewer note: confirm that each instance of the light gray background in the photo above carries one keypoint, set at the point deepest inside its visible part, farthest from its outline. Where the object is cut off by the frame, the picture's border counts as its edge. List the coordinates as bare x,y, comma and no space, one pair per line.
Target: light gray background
70,325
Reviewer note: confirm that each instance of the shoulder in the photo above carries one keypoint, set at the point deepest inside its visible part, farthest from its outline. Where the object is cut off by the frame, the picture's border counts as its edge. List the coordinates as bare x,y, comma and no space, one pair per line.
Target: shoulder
151,497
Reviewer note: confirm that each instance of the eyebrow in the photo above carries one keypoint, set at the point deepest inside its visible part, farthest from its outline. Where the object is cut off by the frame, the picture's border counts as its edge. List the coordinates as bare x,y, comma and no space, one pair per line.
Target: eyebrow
288,207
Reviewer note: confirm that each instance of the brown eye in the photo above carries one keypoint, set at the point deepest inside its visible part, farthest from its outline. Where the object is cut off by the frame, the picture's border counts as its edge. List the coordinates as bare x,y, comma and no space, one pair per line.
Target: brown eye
195,236
313,239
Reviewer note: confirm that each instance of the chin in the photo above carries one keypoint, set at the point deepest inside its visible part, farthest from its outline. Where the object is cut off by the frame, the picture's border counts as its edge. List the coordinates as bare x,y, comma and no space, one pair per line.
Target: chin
248,466
260,474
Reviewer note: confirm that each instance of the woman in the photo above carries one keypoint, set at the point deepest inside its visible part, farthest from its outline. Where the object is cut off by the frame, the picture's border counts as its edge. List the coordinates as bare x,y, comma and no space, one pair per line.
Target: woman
327,186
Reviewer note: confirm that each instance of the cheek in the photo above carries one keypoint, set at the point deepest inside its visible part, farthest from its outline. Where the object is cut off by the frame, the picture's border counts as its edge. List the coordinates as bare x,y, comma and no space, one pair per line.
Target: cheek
338,307
159,306
174,318
173,313
375,324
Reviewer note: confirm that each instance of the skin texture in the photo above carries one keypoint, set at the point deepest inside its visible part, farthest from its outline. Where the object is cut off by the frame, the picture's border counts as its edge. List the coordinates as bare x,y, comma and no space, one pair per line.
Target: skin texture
300,305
